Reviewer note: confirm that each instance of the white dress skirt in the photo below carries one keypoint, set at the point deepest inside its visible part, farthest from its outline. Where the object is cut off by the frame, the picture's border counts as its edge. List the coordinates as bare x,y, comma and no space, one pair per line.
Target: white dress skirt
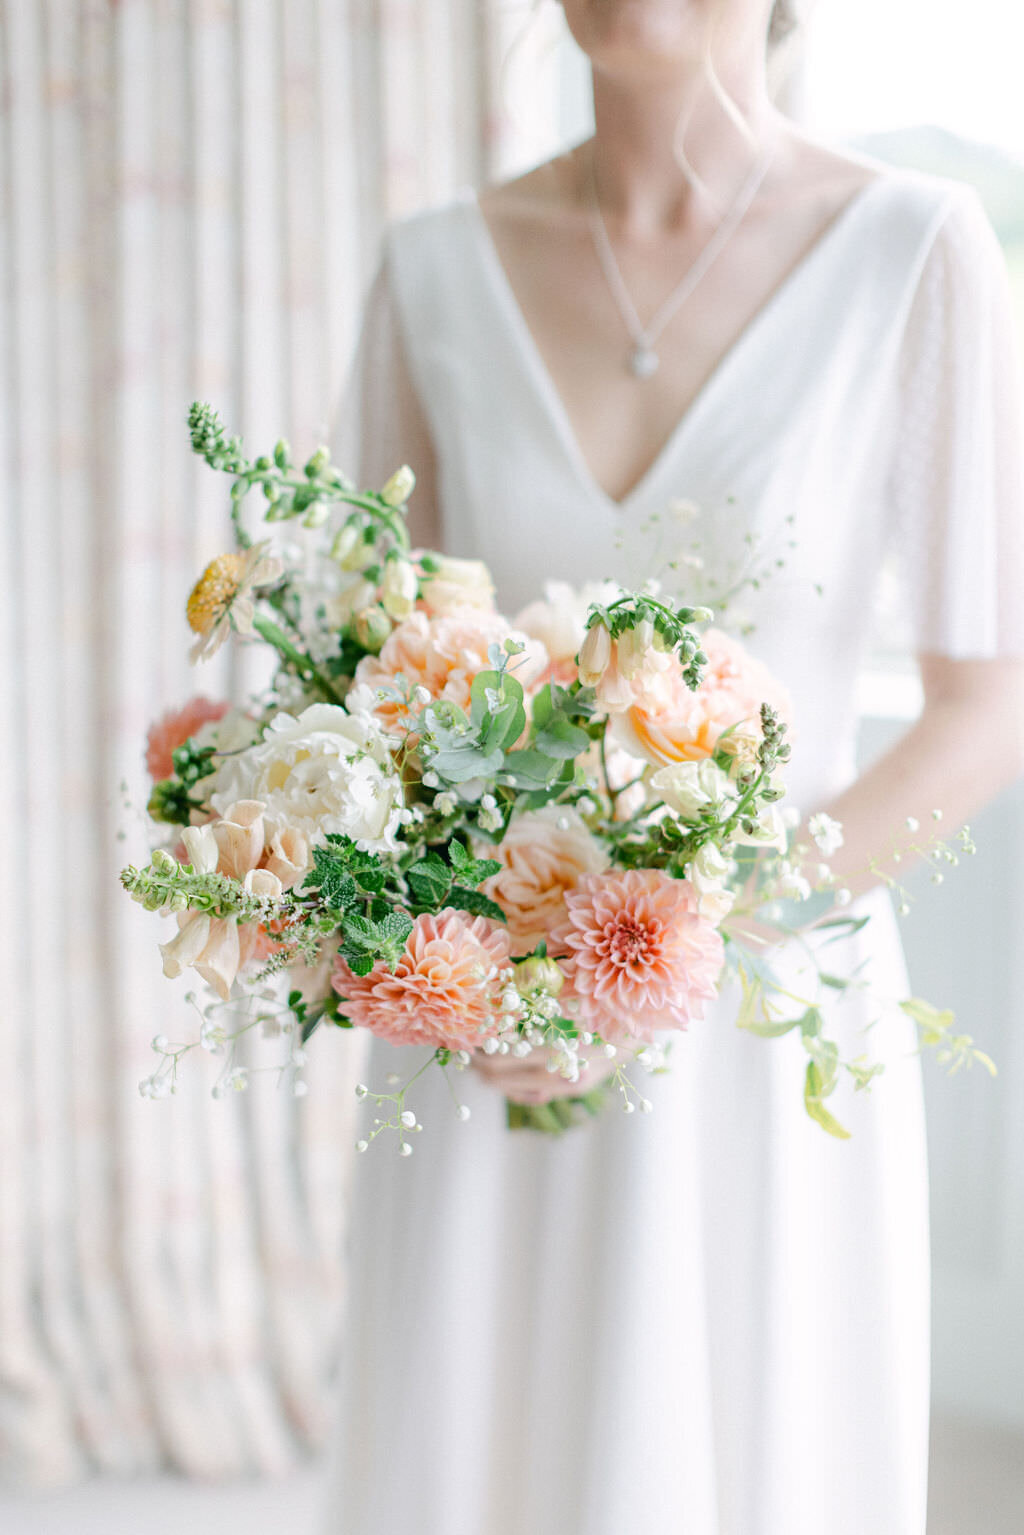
712,1320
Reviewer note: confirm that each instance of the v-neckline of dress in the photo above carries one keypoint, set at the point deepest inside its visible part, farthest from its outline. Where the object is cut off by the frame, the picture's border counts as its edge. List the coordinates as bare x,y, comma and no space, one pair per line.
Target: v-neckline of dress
544,384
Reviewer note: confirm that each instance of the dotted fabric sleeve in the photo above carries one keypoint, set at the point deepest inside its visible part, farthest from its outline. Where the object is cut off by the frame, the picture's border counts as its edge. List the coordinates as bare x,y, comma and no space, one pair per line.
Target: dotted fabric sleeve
956,486
380,423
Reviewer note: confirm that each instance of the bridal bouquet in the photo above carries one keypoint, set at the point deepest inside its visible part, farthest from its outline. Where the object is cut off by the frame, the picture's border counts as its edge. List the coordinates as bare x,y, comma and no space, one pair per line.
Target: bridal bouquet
471,833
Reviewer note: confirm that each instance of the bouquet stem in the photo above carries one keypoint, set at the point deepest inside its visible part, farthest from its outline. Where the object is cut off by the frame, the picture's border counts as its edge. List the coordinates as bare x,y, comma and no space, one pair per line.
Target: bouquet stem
557,1116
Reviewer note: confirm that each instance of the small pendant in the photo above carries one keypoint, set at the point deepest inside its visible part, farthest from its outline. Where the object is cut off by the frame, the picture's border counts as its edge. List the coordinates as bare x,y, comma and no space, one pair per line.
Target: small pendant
643,360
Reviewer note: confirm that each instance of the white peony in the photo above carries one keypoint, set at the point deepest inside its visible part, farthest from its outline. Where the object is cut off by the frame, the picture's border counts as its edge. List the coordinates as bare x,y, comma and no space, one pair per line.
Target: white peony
325,771
687,788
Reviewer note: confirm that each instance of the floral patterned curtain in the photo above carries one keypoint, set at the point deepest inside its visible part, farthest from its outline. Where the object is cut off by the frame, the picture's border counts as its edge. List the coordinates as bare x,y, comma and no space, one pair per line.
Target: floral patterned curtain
191,194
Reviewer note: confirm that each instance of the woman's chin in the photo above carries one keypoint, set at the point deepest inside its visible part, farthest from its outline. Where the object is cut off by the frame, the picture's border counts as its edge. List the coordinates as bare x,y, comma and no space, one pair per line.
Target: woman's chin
640,38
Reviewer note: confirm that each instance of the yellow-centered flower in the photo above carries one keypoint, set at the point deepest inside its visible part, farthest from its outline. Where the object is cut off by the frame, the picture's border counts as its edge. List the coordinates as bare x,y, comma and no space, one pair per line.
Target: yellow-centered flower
212,593
221,598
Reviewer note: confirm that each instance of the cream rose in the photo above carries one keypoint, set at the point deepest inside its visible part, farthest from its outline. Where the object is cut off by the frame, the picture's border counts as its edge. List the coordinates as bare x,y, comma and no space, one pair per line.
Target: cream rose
456,584
325,771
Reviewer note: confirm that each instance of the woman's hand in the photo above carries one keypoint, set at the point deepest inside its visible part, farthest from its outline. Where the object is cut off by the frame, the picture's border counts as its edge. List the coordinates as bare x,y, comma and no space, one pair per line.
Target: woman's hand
526,1079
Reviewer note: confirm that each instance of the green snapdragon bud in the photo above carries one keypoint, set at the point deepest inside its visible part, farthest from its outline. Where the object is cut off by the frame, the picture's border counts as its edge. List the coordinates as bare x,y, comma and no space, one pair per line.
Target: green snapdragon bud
399,487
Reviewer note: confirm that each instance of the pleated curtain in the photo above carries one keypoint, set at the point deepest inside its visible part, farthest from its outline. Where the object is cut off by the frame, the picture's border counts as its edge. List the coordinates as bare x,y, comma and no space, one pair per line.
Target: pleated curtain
191,196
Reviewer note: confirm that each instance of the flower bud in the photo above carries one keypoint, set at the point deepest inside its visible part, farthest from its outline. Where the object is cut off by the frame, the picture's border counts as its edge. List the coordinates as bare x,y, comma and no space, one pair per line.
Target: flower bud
399,487
342,608
595,654
538,975
633,646
399,588
351,549
317,515
371,627
162,861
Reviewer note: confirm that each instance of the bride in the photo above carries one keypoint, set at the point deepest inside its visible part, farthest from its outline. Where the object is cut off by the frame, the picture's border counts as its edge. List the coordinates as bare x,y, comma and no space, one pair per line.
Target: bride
700,342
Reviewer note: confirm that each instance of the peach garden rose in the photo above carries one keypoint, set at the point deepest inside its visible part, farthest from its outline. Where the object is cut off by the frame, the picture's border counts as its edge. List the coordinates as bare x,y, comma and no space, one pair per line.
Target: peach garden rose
668,723
544,855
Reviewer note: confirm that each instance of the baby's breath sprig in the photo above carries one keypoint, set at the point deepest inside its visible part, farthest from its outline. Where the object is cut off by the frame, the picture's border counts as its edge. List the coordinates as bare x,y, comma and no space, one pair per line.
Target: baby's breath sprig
274,1019
393,1116
934,850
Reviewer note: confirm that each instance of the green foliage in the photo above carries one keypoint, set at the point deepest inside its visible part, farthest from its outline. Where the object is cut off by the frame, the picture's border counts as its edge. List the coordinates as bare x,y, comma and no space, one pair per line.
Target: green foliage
814,1094
497,710
433,883
344,874
310,1015
171,800
366,940
475,902
559,1115
935,1029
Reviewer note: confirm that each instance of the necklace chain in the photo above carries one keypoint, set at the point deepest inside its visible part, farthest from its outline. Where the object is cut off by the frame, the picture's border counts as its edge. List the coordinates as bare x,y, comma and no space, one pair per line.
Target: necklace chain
643,359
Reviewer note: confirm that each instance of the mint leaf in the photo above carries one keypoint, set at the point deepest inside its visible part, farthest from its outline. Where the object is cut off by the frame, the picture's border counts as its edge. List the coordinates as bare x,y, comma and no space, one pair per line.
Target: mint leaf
429,880
475,902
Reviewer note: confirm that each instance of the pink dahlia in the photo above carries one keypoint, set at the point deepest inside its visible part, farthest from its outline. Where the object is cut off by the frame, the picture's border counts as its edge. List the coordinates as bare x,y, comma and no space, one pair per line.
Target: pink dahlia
639,956
173,730
444,991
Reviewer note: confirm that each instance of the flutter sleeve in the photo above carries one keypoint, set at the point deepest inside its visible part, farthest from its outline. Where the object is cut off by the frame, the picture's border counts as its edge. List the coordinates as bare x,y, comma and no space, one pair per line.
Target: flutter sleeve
956,485
379,423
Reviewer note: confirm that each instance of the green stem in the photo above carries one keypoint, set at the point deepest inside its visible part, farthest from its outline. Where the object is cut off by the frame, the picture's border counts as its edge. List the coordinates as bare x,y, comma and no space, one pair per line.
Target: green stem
306,668
613,794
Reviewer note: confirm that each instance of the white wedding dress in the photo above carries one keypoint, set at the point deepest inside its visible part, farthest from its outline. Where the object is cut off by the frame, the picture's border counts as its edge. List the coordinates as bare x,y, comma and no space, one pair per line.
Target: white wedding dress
712,1320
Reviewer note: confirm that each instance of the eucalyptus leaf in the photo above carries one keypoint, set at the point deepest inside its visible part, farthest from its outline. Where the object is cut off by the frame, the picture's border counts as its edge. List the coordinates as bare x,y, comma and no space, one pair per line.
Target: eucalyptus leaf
530,769
559,738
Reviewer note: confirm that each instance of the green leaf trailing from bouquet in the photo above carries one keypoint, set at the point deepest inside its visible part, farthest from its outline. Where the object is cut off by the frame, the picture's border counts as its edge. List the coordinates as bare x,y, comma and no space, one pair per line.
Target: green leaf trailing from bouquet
935,1030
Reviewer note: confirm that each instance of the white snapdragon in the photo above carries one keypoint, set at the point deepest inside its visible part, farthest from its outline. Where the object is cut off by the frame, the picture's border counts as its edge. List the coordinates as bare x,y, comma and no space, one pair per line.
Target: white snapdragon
769,831
709,868
687,788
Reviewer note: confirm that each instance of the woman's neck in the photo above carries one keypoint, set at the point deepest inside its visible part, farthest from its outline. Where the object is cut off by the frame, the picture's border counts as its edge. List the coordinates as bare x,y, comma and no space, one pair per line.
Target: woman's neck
666,153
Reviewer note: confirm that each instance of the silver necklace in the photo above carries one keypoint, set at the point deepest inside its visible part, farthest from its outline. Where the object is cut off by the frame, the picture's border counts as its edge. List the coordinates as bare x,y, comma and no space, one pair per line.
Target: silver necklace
643,359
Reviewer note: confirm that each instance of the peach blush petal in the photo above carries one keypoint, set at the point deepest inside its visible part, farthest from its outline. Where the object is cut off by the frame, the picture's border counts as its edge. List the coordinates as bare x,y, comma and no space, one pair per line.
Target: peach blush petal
173,730
240,835
219,961
443,655
288,856
542,861
443,990
639,956
667,723
186,946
